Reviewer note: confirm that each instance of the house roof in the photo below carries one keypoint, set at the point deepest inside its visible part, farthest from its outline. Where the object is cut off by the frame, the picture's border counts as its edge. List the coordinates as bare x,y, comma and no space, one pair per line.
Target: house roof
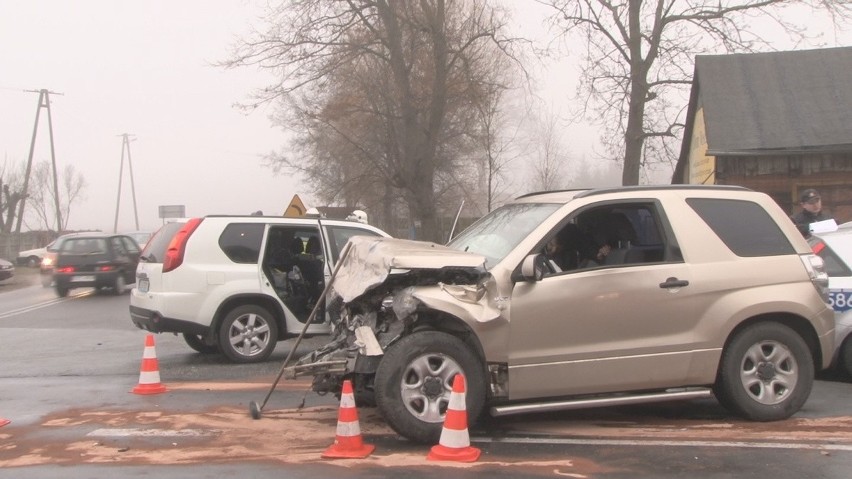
796,101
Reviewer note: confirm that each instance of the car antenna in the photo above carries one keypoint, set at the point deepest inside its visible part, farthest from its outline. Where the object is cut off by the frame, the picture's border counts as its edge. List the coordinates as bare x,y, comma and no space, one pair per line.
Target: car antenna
455,221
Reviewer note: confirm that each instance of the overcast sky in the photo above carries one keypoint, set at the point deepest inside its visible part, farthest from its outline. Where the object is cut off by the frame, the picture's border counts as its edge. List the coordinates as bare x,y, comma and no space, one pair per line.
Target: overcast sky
143,68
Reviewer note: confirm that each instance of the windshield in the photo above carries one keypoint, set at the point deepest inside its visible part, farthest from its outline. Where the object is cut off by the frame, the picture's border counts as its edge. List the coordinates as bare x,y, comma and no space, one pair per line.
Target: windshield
497,233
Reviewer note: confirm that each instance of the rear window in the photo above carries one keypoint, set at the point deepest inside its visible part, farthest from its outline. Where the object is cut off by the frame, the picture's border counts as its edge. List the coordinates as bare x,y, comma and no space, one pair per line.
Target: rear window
155,249
744,226
241,241
84,246
834,265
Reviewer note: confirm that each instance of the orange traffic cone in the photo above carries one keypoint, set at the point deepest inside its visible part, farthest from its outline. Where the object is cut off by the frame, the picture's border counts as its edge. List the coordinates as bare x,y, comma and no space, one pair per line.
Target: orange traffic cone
149,373
454,444
348,443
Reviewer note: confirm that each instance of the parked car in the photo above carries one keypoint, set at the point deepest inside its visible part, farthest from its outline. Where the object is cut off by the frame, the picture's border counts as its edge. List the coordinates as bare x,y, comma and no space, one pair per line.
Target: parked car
7,269
835,248
238,284
686,292
30,257
95,260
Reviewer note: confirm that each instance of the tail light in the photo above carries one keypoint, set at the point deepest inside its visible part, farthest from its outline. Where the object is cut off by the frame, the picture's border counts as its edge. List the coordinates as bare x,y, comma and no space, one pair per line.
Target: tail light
106,268
177,246
817,273
65,269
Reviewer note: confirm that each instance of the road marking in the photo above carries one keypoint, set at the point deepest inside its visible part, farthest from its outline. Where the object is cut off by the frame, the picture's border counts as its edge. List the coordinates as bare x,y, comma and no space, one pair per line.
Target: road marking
628,442
27,309
135,432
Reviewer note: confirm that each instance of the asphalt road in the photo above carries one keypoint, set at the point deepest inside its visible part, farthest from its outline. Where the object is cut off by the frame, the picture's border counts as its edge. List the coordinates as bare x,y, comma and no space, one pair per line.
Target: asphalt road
67,367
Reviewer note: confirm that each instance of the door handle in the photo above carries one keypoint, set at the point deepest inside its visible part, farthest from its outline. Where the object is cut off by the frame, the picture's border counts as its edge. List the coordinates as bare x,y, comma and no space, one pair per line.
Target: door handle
674,283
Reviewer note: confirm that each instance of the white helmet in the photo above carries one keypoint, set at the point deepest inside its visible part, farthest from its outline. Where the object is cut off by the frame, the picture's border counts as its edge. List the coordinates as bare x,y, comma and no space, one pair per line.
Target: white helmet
358,216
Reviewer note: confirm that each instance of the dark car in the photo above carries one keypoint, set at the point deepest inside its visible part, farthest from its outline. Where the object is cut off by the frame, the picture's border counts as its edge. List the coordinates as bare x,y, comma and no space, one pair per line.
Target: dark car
95,260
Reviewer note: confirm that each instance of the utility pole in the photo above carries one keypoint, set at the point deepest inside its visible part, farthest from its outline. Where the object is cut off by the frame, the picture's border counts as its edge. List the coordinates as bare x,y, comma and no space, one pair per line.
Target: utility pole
125,145
43,102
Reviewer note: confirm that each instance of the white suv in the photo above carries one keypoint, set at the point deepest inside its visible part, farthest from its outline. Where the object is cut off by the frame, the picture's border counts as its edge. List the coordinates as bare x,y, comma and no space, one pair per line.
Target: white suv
238,284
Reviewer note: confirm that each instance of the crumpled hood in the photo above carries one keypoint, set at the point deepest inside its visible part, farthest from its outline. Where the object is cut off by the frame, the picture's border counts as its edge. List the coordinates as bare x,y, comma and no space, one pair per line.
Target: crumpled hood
370,260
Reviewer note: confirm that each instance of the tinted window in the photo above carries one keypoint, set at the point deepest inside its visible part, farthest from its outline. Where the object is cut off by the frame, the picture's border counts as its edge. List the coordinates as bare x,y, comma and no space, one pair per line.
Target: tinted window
241,241
744,226
117,246
339,235
155,249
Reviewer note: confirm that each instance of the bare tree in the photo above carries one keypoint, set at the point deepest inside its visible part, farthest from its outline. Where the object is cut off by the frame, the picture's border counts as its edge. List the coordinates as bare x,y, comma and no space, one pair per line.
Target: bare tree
550,164
42,199
408,69
639,56
11,193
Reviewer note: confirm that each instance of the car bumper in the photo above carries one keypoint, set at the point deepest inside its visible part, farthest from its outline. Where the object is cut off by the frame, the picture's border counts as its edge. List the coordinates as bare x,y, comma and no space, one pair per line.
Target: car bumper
154,322
6,274
86,280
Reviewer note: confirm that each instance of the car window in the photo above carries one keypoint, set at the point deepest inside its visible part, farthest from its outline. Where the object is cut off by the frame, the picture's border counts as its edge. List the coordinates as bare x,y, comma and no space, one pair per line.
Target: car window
155,249
131,246
744,226
834,264
339,236
499,232
241,241
610,235
117,246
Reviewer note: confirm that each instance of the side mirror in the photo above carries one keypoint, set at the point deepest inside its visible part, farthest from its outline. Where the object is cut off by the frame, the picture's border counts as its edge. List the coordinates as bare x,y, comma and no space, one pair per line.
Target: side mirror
531,268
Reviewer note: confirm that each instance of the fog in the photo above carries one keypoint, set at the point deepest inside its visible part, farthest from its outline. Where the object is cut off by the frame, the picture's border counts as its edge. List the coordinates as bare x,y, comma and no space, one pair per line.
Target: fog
144,68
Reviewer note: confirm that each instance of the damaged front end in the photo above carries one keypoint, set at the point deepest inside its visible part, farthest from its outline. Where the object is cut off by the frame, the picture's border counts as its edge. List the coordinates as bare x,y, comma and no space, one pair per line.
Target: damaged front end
385,289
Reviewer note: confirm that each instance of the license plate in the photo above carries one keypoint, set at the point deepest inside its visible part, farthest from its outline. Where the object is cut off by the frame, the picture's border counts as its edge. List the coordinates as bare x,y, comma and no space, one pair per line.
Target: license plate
840,300
143,285
82,279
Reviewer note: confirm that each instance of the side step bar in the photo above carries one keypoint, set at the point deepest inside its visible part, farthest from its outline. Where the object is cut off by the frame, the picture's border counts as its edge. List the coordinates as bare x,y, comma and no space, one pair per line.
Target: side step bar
585,403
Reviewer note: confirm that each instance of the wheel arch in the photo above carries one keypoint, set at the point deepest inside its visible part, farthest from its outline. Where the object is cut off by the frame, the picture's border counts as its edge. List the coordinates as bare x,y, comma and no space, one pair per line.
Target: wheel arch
434,320
798,324
266,302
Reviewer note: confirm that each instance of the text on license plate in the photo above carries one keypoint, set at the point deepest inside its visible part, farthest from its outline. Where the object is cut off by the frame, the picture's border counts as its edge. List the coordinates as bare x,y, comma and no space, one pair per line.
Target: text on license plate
82,279
840,299
143,285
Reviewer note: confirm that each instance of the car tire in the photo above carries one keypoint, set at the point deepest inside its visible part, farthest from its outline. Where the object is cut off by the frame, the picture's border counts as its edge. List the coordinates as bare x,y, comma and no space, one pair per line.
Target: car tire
119,285
33,261
61,291
248,334
766,373
414,382
197,343
844,356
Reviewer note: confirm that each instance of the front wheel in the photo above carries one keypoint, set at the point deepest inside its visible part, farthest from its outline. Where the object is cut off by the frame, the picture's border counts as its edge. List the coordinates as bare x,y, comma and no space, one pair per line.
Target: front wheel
766,373
414,381
248,334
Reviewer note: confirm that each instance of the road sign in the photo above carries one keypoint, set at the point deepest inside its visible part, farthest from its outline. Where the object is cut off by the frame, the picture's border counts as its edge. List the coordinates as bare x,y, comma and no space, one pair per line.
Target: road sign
295,209
172,211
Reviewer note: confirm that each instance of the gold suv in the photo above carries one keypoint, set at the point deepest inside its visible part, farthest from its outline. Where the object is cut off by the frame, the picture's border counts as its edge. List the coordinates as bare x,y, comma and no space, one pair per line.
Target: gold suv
574,299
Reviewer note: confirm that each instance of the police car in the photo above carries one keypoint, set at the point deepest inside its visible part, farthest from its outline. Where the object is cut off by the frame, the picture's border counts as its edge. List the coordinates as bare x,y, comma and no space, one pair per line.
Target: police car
835,248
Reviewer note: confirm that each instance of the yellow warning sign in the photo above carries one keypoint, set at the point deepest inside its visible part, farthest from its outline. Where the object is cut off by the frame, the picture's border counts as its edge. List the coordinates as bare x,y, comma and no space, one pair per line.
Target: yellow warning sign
295,209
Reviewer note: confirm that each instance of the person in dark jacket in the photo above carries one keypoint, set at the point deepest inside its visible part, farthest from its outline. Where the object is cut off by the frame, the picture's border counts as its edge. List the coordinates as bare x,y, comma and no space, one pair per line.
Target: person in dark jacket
811,203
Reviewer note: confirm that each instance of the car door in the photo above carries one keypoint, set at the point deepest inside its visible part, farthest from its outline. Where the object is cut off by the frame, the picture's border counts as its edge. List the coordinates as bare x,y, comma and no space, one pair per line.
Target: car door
613,327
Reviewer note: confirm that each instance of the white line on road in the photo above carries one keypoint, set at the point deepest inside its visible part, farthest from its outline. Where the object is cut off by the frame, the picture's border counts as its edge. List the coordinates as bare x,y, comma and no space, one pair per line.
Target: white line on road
628,442
27,309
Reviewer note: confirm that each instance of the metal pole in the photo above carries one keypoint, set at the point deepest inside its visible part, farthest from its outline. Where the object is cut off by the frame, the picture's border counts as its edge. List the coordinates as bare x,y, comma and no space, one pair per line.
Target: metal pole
59,226
29,165
120,172
132,185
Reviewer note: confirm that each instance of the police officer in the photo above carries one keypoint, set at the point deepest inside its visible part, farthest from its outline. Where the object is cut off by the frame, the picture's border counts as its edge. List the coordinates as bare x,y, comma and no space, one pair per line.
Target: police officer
811,203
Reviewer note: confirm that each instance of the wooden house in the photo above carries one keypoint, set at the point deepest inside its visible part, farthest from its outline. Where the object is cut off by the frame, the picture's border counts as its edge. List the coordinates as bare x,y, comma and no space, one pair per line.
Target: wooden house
776,122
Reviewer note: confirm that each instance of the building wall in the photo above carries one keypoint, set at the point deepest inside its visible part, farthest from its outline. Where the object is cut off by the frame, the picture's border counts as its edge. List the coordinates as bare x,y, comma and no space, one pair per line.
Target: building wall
784,177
